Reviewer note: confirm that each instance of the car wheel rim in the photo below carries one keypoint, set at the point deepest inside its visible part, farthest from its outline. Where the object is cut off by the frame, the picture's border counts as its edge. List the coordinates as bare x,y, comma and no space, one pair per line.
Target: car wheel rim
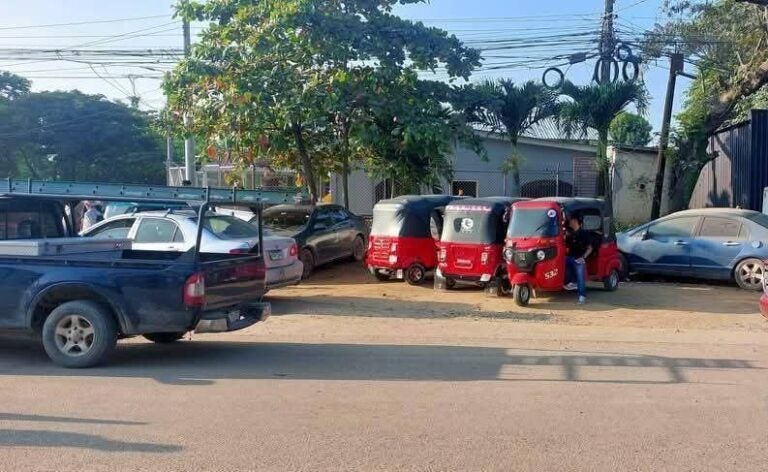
359,248
524,293
74,335
614,279
752,274
416,274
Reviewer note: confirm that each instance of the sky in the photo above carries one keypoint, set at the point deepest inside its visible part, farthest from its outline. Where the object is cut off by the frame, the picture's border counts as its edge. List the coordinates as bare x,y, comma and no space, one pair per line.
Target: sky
532,30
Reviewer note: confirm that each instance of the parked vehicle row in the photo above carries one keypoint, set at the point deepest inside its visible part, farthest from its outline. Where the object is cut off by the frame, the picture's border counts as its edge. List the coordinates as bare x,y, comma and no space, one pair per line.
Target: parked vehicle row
81,294
518,246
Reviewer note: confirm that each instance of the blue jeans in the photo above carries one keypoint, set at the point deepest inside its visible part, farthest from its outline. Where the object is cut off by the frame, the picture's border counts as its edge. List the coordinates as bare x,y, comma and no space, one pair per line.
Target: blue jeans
578,272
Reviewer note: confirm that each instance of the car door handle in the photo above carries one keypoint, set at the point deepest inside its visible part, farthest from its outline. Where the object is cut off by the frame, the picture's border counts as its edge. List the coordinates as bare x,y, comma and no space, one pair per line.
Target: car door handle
731,243
681,243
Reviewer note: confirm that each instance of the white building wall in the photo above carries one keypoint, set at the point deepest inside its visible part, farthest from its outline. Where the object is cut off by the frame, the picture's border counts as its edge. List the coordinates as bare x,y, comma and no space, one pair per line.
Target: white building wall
633,184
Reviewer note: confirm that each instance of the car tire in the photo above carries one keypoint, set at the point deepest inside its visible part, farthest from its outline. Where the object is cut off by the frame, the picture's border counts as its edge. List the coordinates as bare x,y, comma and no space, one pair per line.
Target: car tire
416,274
79,334
358,249
308,259
164,338
625,269
611,282
522,294
749,274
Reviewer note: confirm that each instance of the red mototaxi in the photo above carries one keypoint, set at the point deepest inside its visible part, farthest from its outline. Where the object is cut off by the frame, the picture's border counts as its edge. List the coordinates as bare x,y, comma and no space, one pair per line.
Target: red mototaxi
536,250
472,242
404,234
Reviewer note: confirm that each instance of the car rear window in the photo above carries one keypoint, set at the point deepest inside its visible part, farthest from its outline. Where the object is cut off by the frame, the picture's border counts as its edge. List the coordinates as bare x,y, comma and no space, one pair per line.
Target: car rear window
30,220
761,219
230,227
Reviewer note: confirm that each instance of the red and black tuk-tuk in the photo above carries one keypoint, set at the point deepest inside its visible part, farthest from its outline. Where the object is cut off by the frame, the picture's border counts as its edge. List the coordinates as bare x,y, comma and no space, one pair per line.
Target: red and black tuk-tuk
404,234
472,242
536,245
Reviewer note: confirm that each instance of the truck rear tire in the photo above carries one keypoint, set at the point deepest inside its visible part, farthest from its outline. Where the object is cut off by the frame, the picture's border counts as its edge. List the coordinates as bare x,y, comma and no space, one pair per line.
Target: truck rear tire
79,334
164,338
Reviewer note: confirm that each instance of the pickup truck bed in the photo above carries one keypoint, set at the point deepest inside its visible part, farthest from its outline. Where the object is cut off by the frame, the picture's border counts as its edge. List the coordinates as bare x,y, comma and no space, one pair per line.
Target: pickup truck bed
144,292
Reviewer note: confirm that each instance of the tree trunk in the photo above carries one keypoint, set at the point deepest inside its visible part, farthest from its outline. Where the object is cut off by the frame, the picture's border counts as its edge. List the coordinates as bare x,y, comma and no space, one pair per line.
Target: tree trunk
306,163
345,163
514,166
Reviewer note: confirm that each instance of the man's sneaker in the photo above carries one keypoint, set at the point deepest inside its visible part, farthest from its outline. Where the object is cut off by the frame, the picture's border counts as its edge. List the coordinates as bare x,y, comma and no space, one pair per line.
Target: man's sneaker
582,300
570,287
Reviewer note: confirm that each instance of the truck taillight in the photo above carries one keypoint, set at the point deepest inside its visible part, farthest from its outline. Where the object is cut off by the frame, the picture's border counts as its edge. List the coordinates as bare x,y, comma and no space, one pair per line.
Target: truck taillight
194,291
294,249
484,258
442,255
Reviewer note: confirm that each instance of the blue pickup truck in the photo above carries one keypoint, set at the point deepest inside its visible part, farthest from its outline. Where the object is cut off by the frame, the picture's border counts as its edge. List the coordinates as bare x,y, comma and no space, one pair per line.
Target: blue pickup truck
80,302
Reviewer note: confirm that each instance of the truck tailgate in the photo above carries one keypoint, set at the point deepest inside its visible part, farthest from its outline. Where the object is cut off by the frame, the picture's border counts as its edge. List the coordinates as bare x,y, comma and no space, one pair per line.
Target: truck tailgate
232,280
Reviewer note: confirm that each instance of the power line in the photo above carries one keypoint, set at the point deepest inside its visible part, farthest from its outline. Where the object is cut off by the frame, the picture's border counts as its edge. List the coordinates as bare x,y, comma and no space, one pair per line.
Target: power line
91,22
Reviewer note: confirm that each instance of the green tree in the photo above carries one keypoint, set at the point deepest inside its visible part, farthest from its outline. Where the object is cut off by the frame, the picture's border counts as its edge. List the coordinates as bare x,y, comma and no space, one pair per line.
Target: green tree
727,40
595,107
12,86
505,107
74,136
271,71
630,129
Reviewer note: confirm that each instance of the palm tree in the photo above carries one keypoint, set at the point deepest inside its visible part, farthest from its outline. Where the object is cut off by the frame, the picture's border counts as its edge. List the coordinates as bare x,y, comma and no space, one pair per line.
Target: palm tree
594,107
502,106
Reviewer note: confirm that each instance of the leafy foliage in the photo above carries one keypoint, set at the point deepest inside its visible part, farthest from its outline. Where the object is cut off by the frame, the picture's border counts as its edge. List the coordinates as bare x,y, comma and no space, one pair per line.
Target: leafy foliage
74,136
504,107
630,129
12,86
595,106
727,41
303,81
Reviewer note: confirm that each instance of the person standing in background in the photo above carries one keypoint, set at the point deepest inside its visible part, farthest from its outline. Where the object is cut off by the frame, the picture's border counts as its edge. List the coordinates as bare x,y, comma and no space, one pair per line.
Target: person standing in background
91,216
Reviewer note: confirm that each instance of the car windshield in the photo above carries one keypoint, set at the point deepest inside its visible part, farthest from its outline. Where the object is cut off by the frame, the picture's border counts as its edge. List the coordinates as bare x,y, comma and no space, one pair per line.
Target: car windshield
531,222
230,227
280,219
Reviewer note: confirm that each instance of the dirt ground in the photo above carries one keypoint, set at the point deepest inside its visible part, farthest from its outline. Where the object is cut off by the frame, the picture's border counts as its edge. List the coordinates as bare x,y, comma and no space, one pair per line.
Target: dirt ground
348,290
353,374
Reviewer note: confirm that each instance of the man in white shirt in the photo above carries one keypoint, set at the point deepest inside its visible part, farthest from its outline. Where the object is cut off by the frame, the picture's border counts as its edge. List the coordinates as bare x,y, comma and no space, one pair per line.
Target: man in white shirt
91,216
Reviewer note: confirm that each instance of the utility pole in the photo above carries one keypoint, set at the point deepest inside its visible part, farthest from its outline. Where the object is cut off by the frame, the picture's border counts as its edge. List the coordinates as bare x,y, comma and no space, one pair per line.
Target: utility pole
607,44
675,68
189,142
168,157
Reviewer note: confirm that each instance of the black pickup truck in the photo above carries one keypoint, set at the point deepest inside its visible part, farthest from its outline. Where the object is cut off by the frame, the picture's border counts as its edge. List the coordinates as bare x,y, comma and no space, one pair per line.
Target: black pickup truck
81,301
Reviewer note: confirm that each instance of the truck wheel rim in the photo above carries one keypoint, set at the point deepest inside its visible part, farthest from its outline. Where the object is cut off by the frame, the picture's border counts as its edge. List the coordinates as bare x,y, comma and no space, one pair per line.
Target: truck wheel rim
752,274
74,335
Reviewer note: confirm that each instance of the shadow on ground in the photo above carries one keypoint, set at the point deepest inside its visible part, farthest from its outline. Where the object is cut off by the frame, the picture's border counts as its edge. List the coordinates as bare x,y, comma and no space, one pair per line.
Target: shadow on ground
45,438
204,362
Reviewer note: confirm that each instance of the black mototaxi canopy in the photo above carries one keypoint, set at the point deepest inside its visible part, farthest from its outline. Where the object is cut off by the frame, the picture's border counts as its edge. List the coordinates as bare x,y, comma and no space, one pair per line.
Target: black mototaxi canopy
579,206
493,205
575,205
408,216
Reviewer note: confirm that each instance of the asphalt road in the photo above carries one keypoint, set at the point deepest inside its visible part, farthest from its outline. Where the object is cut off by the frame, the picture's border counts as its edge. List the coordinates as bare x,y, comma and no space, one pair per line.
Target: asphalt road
508,396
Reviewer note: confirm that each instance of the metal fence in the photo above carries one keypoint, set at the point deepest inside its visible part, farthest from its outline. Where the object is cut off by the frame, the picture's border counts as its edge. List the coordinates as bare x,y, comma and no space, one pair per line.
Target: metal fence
538,184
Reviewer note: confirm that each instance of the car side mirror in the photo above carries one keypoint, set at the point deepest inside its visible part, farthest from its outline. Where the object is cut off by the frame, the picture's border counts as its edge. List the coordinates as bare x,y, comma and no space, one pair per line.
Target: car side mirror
645,235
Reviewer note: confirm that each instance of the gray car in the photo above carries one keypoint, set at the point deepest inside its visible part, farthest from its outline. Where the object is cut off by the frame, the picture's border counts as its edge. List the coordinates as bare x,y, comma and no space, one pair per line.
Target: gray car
177,230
